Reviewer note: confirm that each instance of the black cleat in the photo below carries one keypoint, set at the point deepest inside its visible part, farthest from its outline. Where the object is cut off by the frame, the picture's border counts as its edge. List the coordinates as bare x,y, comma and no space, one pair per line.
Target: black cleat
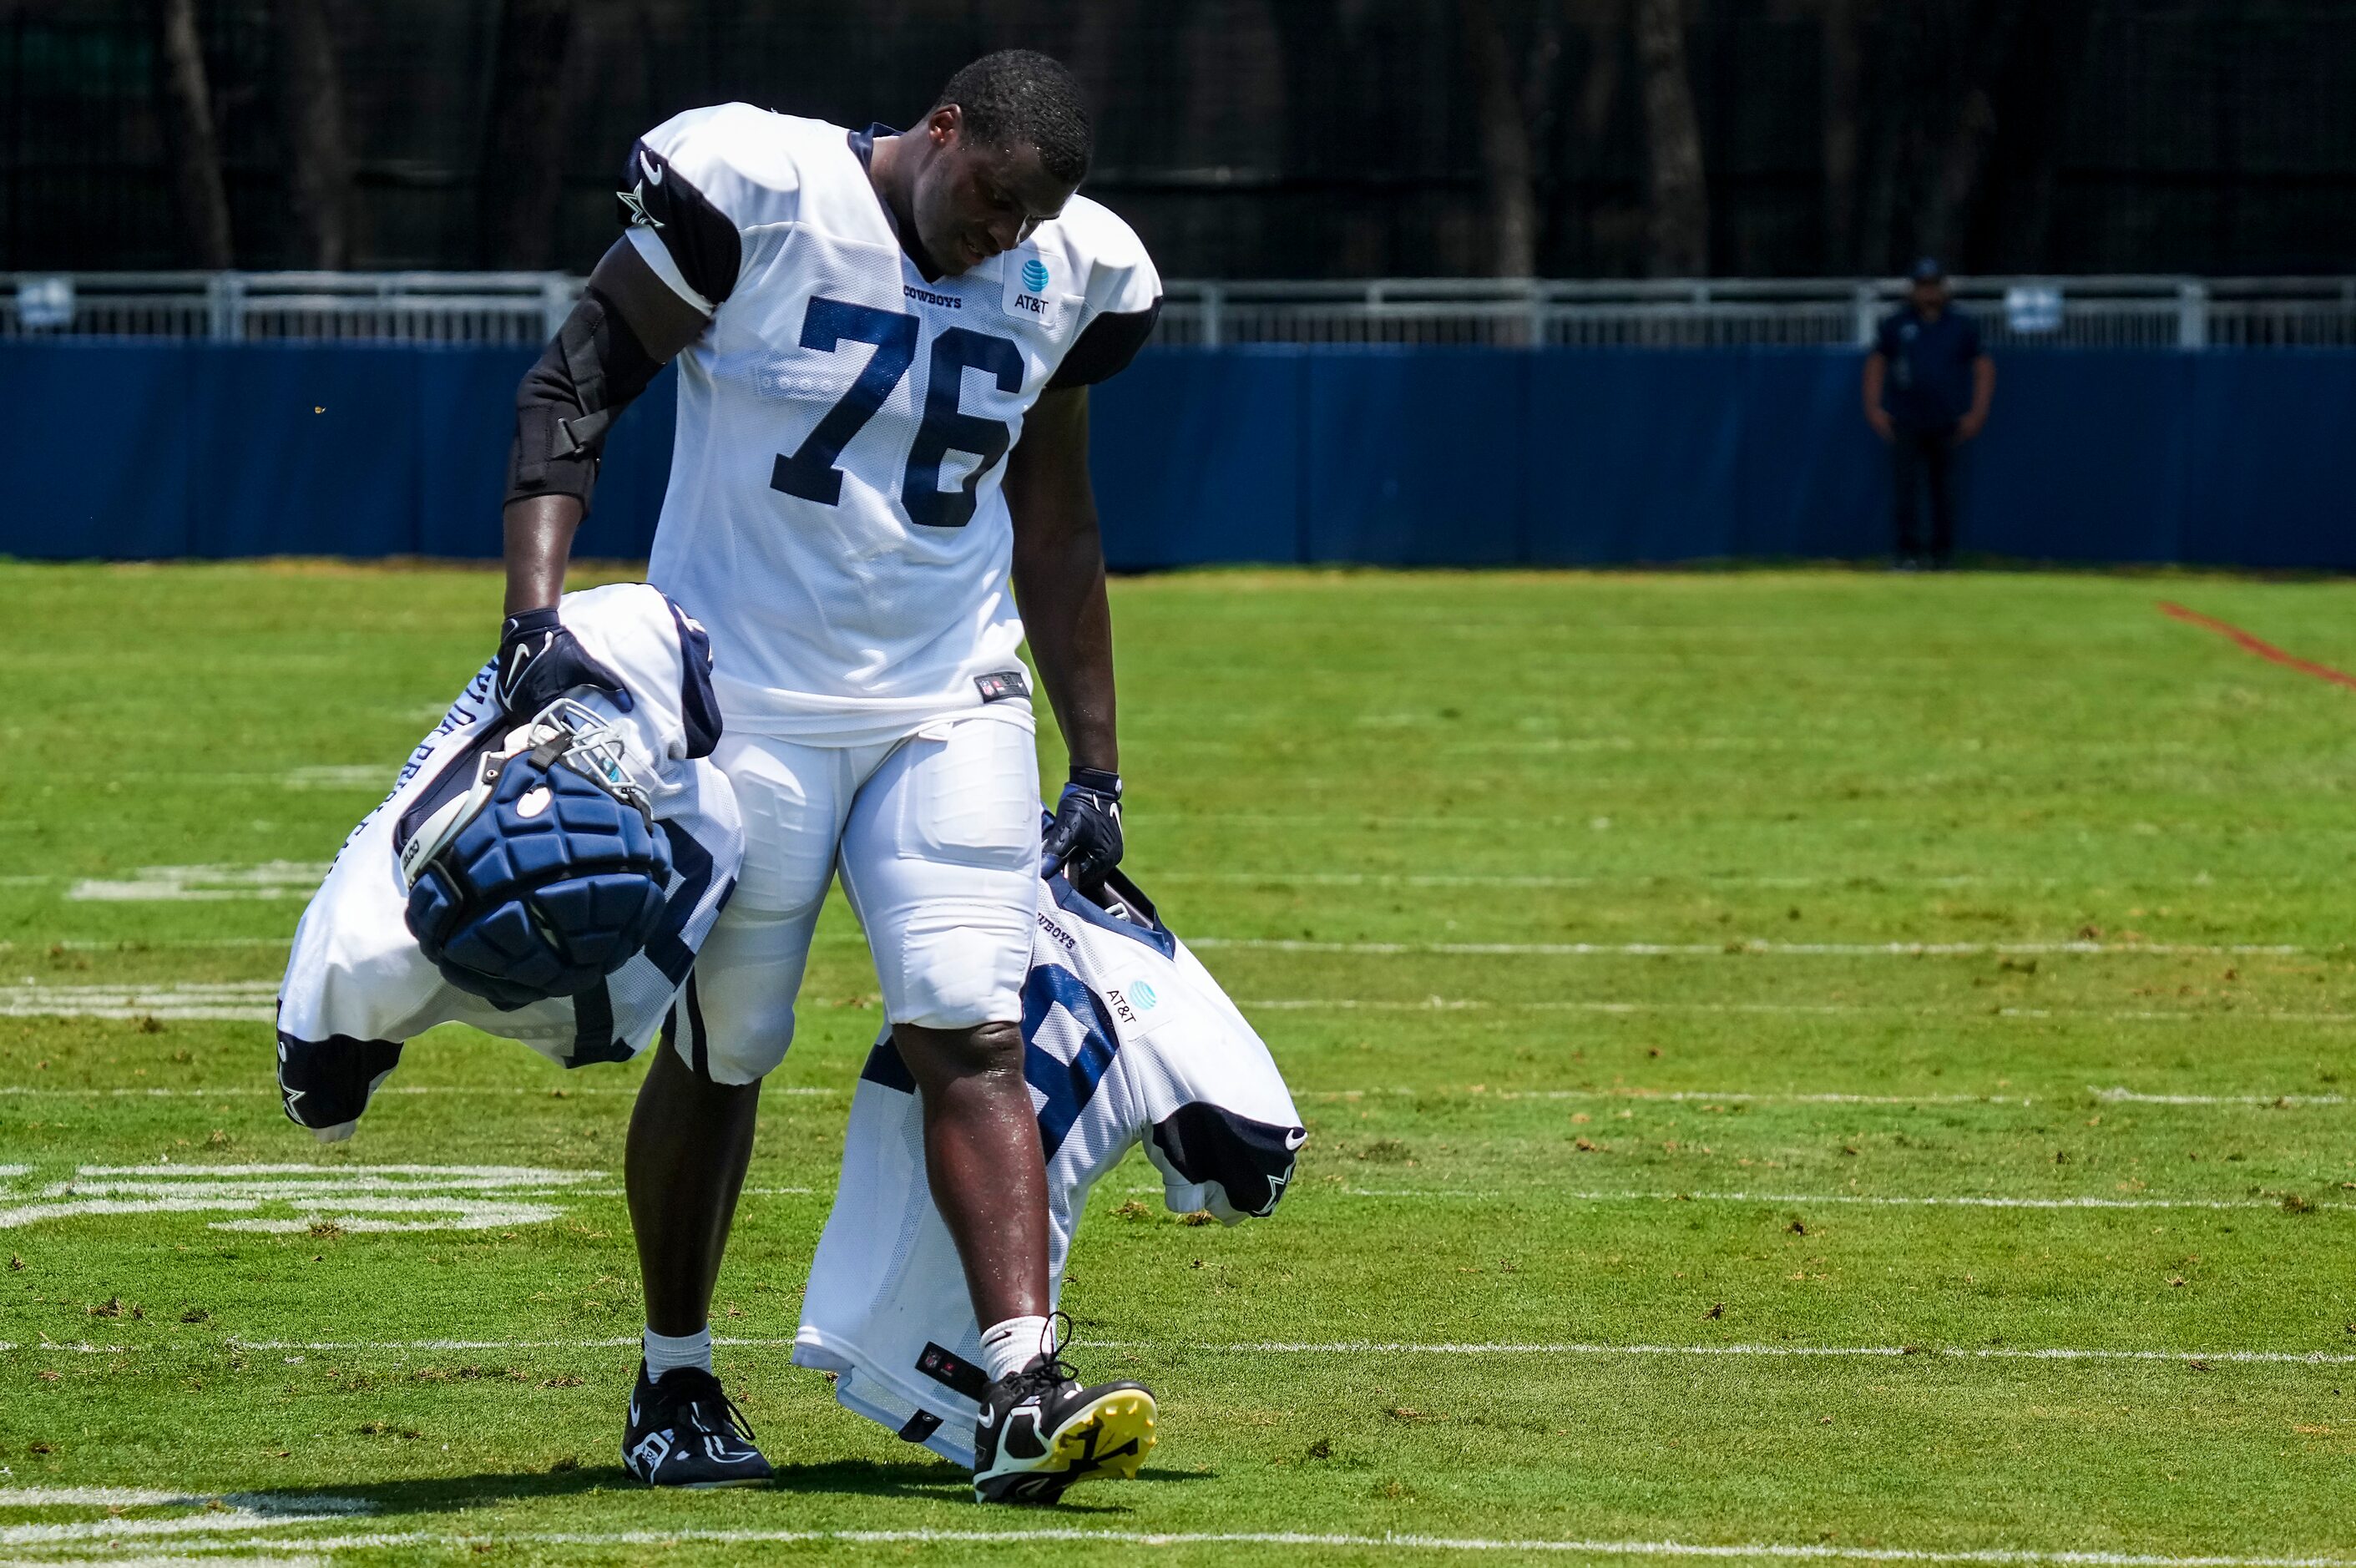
685,1431
1040,1431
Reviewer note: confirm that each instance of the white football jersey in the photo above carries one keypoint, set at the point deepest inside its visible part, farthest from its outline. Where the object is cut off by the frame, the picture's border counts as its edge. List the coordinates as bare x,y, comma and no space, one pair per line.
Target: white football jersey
834,510
1126,1039
356,976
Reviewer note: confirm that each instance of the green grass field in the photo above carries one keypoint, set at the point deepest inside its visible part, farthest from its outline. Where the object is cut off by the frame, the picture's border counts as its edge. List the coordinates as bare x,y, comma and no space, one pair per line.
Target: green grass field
1652,1197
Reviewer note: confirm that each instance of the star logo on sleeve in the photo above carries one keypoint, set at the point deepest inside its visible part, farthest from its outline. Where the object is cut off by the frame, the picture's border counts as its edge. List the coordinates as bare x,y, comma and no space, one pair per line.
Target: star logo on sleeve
634,200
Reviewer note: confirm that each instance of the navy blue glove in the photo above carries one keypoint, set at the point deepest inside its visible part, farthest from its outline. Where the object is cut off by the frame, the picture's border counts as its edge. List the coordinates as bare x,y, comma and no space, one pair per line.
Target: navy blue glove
540,662
1084,838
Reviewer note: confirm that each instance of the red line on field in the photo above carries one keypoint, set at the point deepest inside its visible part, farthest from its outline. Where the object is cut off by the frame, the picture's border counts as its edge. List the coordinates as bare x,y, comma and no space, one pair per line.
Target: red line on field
2258,645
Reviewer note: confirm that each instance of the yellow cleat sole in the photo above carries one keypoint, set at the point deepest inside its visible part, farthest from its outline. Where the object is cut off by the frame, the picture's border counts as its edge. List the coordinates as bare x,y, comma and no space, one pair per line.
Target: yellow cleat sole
1109,1438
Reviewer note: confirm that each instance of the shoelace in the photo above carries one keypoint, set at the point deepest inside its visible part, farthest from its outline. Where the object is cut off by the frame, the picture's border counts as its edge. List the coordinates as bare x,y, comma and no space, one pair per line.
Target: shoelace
1051,1370
708,1394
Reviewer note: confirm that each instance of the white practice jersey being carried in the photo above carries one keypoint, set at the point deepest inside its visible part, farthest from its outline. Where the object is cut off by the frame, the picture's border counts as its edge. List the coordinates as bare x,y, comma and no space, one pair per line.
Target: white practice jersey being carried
358,986
1127,1040
835,511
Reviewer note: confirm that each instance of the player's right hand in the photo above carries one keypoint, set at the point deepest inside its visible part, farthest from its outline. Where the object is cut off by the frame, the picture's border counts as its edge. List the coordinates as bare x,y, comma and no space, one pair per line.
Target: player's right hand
540,662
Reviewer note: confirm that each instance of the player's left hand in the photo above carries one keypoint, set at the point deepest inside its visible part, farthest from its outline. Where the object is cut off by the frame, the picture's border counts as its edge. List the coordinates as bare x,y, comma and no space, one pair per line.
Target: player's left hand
1084,839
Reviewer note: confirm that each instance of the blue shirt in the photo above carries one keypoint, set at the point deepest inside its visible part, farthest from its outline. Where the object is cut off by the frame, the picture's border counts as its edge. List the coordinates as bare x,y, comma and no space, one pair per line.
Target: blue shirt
1929,382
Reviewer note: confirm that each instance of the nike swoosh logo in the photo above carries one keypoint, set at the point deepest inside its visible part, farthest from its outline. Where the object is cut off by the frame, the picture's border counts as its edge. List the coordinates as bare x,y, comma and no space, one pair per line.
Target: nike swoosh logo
654,173
1295,1138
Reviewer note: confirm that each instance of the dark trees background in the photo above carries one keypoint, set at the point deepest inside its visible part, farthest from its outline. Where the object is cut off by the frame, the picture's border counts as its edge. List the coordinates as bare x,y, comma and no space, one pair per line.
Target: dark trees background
1244,139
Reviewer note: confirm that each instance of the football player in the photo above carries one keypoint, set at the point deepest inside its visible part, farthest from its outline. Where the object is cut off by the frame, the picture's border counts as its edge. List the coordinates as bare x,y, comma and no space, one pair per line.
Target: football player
885,340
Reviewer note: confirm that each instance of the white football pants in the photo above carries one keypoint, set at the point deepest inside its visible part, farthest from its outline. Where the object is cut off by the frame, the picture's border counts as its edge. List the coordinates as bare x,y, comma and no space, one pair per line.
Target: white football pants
937,839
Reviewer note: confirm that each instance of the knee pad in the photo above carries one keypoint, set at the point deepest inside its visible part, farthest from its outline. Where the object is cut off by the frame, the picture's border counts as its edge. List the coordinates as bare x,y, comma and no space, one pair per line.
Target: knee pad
730,1027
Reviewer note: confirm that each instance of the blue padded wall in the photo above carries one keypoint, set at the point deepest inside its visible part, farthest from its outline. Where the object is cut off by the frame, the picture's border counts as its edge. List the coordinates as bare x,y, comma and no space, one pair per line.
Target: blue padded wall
120,450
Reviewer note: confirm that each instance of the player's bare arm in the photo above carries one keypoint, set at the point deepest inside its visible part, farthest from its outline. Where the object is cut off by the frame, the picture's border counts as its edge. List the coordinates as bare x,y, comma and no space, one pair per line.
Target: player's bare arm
1059,574
1059,578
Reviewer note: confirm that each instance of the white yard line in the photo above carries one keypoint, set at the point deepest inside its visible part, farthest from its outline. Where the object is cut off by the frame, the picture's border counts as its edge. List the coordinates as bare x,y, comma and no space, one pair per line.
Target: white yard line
1777,1009
180,882
1478,1004
100,1498
214,1556
561,1092
2129,1097
1802,1200
247,1006
246,1001
232,1513
1997,1557
298,1197
1757,949
745,1192
174,988
1664,1096
1345,1347
513,1175
348,1213
1668,1096
1540,879
366,775
274,879
1857,880
1543,950
142,944
1836,1352
1771,1097
615,1342
212,1521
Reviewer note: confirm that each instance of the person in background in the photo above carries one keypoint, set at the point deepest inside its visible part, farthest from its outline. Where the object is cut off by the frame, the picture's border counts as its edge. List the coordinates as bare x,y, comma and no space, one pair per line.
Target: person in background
1928,383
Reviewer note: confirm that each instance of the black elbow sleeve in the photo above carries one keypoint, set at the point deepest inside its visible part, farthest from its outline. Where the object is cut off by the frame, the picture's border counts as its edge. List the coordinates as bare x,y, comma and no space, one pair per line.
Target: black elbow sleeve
571,397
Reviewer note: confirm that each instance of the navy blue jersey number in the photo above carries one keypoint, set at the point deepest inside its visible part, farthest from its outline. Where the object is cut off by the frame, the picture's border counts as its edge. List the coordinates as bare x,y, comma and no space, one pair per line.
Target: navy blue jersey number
809,471
947,428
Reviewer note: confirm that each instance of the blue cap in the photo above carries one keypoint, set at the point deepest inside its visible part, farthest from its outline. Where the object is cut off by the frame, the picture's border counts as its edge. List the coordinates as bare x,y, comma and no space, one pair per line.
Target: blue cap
1926,269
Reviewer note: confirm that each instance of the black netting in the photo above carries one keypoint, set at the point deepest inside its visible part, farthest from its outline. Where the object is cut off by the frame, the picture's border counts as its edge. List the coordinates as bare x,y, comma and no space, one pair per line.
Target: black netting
1270,138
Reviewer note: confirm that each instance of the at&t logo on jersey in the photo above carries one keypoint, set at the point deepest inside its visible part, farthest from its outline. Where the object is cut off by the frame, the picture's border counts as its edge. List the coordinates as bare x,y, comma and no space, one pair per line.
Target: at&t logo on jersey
1135,1006
1028,282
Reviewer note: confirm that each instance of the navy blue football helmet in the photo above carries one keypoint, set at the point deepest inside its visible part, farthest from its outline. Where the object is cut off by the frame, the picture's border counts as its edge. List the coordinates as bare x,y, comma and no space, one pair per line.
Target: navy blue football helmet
548,873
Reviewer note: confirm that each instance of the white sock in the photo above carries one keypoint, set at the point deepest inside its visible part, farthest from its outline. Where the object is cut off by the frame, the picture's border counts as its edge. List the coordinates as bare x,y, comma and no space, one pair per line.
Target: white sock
1007,1348
668,1352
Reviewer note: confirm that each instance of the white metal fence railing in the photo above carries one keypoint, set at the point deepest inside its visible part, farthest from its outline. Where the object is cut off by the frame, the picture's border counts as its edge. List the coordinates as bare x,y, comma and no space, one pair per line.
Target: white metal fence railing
525,309
2104,312
420,307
